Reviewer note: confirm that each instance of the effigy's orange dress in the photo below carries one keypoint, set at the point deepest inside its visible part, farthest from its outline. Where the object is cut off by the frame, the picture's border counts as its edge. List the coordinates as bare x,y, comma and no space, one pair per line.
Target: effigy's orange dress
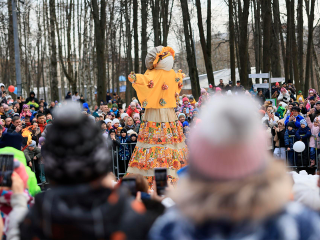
161,142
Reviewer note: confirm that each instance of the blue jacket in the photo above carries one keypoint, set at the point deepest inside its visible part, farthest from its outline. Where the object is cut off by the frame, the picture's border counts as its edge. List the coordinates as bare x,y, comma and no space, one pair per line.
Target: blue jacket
124,153
301,221
289,141
303,131
297,123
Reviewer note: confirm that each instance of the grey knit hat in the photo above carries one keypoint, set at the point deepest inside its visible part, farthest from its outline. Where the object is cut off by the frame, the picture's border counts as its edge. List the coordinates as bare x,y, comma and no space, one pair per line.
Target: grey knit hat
75,151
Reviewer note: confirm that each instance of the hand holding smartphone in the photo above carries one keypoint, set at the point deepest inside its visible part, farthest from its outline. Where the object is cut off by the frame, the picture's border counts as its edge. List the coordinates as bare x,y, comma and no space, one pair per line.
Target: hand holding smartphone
6,169
131,184
160,175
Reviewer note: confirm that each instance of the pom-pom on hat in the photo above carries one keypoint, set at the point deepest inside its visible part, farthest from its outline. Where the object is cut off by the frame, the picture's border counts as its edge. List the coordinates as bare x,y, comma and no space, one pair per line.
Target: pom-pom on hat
230,149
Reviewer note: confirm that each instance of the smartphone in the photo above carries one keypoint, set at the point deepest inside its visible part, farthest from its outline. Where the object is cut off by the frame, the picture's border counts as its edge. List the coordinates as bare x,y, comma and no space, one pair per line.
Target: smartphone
131,184
291,114
6,169
187,110
38,129
160,175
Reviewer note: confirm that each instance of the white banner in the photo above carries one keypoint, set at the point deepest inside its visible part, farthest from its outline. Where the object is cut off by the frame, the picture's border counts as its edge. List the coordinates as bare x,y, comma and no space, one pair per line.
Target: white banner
262,85
259,75
273,80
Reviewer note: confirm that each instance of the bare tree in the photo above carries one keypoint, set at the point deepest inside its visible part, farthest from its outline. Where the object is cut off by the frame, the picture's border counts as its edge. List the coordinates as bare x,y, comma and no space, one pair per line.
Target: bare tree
99,29
53,70
206,45
193,71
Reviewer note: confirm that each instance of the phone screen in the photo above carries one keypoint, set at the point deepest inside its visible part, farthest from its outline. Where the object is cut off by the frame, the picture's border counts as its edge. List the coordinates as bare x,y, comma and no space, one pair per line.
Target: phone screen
187,110
160,175
6,169
131,184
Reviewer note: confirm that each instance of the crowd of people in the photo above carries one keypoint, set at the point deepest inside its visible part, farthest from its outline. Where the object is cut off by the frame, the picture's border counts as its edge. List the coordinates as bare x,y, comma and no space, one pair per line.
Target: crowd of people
232,188
71,148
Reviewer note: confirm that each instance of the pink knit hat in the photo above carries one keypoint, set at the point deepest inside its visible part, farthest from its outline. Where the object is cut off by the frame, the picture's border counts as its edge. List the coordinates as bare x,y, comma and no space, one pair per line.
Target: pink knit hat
185,99
229,143
203,90
218,89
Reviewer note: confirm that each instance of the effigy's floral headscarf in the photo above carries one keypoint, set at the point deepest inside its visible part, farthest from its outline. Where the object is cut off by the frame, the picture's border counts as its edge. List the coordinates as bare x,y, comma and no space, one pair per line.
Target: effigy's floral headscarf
157,54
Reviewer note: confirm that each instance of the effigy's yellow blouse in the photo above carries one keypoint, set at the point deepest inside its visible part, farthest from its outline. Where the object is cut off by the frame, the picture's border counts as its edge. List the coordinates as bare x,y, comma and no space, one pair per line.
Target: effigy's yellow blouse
157,88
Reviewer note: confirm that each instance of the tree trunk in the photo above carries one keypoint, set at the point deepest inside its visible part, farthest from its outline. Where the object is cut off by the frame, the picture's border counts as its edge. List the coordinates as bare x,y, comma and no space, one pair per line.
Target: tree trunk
193,72
243,42
300,38
275,56
135,35
309,46
231,43
99,30
12,71
129,68
206,50
266,5
53,70
156,21
294,48
144,37
257,33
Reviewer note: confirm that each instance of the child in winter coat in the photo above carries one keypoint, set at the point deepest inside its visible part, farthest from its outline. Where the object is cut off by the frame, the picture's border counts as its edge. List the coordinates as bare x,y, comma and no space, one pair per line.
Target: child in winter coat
289,138
203,98
133,141
278,133
314,142
304,130
186,104
124,151
115,110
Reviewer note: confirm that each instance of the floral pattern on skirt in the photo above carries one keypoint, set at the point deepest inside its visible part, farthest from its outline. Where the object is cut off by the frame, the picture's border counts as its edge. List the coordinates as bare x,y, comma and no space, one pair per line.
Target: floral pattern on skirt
154,157
160,133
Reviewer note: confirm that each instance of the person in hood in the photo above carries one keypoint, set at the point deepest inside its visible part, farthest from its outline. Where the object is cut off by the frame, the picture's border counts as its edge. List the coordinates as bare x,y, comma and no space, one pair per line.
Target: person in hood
203,98
115,110
233,188
132,109
32,97
85,107
289,139
300,96
78,164
303,134
68,96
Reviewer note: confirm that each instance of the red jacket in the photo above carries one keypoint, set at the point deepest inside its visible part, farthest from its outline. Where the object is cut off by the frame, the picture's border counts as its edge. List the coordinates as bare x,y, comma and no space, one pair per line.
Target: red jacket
130,112
42,126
